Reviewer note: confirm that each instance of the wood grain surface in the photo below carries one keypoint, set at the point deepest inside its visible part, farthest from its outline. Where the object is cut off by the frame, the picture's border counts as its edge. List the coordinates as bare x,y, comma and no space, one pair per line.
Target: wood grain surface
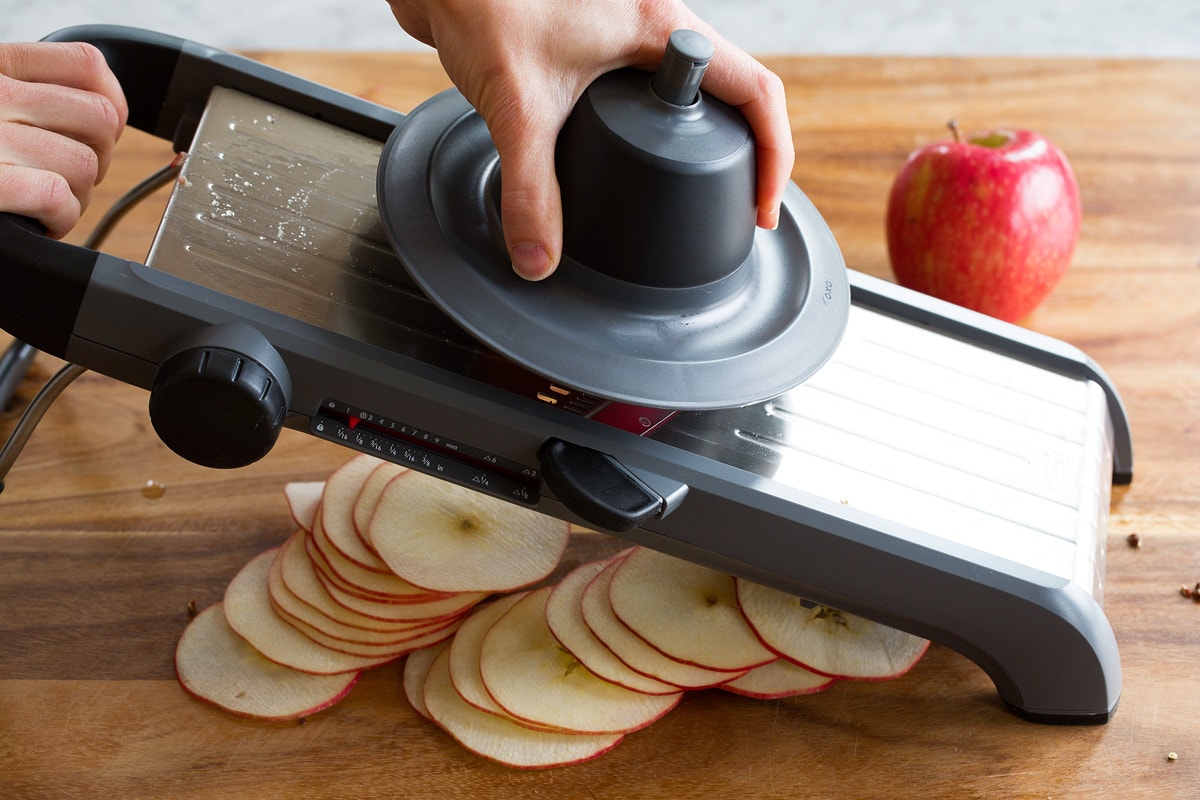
96,576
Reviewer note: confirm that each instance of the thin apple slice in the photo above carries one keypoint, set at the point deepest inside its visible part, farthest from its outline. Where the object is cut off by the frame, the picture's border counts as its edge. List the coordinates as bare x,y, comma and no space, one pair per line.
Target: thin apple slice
394,650
360,581
298,573
502,740
304,500
248,609
441,607
336,622
564,615
686,611
464,653
825,640
778,679
342,490
368,498
632,649
534,678
445,537
416,667
214,664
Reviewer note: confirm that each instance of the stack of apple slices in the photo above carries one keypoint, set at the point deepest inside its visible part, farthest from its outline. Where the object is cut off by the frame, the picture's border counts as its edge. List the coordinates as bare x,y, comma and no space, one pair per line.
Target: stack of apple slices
298,623
387,563
560,674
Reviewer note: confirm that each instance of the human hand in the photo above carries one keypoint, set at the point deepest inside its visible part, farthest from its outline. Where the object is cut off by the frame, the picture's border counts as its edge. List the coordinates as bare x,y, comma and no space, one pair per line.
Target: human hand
61,113
523,64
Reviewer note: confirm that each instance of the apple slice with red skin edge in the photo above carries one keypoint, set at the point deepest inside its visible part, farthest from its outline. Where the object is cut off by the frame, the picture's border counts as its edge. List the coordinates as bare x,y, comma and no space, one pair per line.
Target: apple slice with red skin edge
400,645
825,640
416,667
368,498
499,739
304,501
451,605
989,223
338,623
342,489
631,649
464,654
445,537
564,615
248,609
300,576
394,650
534,678
778,679
686,611
215,665
360,581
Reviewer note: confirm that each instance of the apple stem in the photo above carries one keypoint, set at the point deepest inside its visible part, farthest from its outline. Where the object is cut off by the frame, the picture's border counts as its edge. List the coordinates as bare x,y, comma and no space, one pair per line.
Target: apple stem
953,126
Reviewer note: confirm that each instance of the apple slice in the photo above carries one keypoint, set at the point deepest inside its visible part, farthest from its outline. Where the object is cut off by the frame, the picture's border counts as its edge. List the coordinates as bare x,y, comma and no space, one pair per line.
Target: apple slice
394,650
438,608
686,611
342,490
780,678
248,610
534,678
501,740
310,606
416,667
214,664
564,615
633,650
368,498
303,500
445,537
297,574
360,581
464,654
825,640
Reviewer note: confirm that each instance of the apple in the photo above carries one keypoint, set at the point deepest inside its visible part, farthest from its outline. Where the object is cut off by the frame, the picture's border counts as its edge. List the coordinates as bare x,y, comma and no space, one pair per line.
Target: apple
564,615
368,498
248,610
416,668
534,678
686,611
301,599
630,648
778,679
499,739
445,537
464,656
989,222
335,570
304,501
339,504
214,664
826,640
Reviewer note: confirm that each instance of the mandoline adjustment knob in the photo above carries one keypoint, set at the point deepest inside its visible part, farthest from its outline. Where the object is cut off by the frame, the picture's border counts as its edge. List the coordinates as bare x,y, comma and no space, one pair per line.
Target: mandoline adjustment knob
220,399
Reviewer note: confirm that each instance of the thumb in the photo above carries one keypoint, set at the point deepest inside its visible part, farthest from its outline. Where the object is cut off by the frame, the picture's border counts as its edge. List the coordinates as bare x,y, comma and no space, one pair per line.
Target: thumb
530,207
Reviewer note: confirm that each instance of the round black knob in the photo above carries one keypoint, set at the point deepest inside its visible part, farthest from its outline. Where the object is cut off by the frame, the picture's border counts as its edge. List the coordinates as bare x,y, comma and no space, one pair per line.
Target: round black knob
218,405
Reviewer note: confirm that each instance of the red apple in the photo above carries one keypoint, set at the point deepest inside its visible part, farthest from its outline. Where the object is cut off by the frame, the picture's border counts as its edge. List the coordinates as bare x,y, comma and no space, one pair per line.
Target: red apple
989,223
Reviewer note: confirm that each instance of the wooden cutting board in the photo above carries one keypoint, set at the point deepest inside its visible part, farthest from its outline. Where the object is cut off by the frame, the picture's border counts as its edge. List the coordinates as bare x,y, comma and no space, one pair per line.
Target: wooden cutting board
97,570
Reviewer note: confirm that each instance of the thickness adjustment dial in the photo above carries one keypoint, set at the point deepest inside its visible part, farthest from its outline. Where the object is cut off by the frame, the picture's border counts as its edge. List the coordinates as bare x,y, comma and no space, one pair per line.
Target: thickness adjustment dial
220,397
